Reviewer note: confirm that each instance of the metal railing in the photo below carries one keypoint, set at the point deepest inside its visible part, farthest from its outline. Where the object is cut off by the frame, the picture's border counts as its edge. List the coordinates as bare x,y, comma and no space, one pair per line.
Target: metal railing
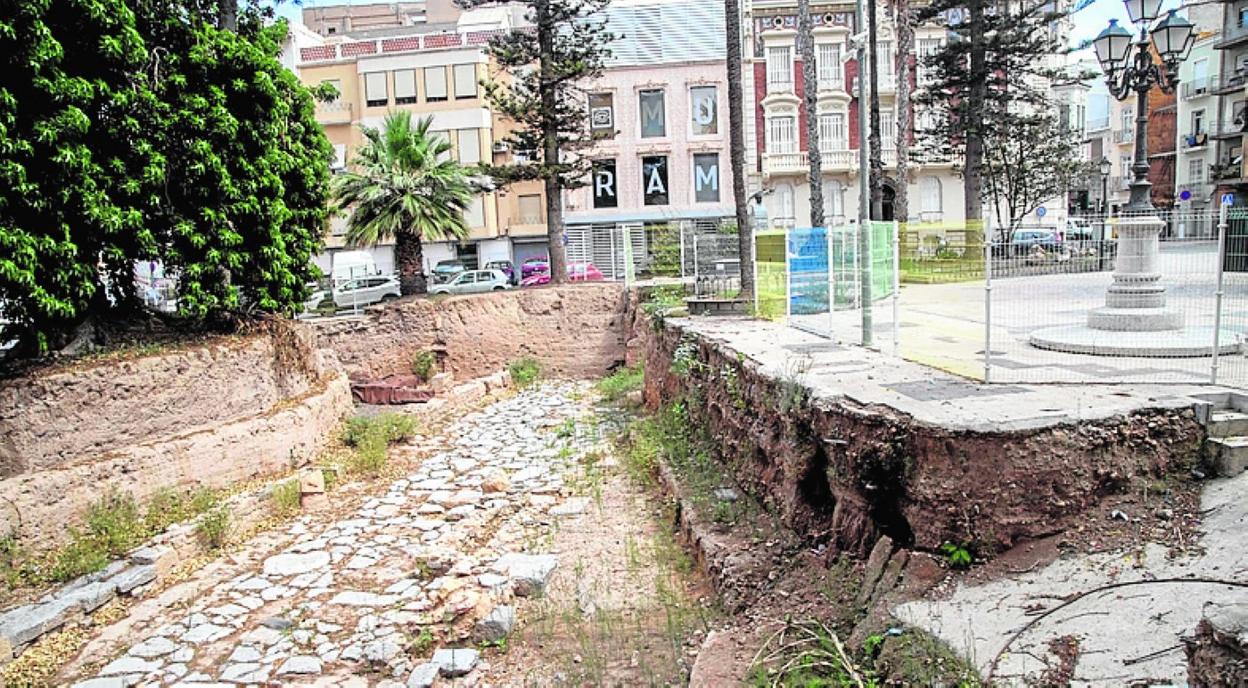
1199,88
1098,124
1124,135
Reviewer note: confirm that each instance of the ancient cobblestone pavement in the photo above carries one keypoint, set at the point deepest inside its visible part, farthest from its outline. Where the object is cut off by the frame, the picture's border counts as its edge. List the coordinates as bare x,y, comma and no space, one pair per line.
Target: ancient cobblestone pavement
405,588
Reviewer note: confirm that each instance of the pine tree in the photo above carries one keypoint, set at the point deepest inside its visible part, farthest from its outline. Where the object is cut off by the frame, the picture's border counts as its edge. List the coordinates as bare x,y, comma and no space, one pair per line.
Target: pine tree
992,72
567,46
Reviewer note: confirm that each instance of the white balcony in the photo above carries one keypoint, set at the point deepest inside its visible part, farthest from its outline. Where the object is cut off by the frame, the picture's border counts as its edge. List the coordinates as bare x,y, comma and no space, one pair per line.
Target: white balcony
840,160
334,112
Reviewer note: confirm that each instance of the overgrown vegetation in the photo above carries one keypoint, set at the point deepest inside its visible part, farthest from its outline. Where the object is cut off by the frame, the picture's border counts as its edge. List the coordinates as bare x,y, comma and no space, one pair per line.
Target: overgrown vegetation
286,497
809,654
524,372
424,365
371,436
619,384
113,525
214,527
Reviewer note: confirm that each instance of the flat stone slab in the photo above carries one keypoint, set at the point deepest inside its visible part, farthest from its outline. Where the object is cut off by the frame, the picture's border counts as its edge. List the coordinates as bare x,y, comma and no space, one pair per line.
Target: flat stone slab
497,625
293,564
423,675
356,598
456,661
529,572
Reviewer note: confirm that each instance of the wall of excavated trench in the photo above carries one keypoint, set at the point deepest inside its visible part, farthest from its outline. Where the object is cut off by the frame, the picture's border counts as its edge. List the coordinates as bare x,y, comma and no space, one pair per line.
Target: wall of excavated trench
843,473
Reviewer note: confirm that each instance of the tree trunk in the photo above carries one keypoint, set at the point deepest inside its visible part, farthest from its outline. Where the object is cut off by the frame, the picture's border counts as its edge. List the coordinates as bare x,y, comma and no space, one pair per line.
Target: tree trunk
973,173
550,147
409,256
227,17
905,119
736,132
810,94
877,155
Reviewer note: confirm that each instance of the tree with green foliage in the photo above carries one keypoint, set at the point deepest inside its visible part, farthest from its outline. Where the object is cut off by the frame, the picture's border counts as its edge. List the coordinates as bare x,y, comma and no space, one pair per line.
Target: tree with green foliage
545,68
404,186
992,72
140,131
1036,160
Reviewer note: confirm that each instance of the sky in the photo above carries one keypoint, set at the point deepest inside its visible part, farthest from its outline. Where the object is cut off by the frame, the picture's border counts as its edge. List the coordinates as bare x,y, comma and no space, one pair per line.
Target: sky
1089,21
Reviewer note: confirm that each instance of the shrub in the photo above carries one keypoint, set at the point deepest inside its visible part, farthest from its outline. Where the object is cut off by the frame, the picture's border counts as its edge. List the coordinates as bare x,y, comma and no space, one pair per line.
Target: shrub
84,554
286,497
213,528
525,371
385,427
618,384
114,522
423,365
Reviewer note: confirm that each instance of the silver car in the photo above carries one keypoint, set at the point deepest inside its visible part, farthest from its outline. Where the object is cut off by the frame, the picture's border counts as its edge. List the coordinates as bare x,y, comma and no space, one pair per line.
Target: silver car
473,282
363,291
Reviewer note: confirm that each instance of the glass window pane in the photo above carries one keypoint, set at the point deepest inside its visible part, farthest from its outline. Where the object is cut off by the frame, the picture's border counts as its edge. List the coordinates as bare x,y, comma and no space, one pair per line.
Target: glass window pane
474,215
706,177
654,179
653,116
435,83
469,144
375,89
466,81
602,115
705,107
531,209
405,86
606,193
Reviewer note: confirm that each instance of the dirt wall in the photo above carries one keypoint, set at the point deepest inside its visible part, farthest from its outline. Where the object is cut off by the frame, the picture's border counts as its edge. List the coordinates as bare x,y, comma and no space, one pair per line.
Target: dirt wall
227,410
577,330
69,414
843,473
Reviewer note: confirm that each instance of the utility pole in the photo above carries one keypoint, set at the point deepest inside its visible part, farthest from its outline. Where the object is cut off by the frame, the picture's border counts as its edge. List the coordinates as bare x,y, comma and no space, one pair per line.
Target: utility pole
864,187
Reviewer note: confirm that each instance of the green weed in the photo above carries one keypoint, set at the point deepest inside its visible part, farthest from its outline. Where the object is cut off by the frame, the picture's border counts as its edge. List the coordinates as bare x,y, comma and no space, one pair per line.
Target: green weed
619,384
286,497
958,556
524,372
423,365
214,527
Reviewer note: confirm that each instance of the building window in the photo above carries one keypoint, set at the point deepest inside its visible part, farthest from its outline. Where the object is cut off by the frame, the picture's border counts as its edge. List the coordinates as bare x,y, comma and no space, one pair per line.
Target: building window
833,199
340,158
1198,122
779,69
930,197
829,64
405,86
531,209
435,84
784,198
1200,75
654,179
375,94
606,193
653,113
474,214
706,177
337,86
781,135
704,104
465,81
927,48
469,143
1128,119
886,59
888,131
1124,162
602,115
832,131
1196,171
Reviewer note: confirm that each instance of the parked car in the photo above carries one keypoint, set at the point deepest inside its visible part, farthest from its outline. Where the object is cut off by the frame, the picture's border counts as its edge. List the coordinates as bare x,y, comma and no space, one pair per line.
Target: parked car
446,270
1025,241
473,282
505,267
366,290
577,272
532,266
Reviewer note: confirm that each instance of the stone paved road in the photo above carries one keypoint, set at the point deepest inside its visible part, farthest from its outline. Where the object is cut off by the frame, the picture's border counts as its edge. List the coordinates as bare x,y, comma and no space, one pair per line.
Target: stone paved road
401,590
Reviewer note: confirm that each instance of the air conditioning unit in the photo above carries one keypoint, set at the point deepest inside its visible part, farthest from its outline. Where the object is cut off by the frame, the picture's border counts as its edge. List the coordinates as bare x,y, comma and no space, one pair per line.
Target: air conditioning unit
500,146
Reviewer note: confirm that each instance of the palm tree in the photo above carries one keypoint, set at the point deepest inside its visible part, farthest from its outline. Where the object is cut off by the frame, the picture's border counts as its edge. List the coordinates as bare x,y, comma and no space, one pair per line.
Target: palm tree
405,186
810,95
736,146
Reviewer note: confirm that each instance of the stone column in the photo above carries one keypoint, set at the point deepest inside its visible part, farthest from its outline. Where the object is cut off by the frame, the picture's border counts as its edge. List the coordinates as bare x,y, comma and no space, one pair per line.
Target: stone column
1136,302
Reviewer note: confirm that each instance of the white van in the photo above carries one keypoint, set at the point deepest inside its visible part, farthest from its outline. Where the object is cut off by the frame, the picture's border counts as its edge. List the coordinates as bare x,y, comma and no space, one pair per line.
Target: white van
349,265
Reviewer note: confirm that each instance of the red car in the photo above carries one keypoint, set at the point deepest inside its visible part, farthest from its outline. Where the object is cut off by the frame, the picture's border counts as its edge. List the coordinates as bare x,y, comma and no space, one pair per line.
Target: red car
577,272
533,266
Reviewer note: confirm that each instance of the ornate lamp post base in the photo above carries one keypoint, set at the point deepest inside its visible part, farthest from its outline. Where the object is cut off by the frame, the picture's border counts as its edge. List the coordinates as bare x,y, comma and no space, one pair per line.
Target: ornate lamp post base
1135,320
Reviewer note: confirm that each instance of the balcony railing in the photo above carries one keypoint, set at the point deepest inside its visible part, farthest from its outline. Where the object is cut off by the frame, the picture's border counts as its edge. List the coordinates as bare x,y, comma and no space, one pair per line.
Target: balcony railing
1098,124
1119,183
1198,88
1124,135
1231,35
1199,140
836,83
840,160
335,112
779,86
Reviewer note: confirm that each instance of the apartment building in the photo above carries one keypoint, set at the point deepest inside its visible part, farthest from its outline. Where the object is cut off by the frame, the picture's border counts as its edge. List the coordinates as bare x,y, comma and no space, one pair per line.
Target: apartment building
331,20
430,71
1228,172
659,114
775,71
1196,118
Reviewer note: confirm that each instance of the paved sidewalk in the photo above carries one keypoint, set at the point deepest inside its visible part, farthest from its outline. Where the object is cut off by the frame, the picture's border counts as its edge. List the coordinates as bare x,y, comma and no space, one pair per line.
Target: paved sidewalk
927,395
403,589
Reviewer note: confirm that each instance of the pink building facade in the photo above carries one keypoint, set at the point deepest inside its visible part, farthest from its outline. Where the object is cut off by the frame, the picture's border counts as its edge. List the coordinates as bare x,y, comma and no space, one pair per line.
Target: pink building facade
663,151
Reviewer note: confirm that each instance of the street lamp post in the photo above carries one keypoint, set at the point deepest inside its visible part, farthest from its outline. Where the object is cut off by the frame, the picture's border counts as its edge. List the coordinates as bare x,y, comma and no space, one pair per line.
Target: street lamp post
1105,167
1135,320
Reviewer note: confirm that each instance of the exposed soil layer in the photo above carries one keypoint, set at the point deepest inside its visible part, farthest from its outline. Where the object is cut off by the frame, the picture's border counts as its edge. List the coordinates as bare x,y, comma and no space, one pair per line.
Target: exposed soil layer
845,474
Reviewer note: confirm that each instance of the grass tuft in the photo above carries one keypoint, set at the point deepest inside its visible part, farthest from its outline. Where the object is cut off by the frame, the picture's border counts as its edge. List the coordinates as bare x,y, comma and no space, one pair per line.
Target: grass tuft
524,372
617,385
286,497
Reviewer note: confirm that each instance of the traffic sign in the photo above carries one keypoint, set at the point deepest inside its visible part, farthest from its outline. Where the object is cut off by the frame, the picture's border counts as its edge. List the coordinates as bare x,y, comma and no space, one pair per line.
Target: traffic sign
1228,199
1040,211
1185,195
